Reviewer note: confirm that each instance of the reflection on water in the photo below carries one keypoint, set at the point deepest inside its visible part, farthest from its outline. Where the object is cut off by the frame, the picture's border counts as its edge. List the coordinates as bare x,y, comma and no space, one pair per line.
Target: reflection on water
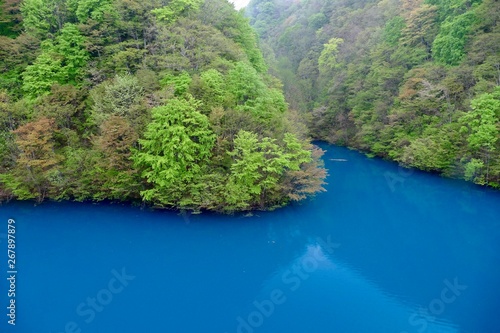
323,277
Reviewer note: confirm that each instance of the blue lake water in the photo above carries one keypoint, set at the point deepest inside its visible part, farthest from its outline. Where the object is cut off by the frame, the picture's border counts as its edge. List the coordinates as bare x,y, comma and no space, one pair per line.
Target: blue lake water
384,250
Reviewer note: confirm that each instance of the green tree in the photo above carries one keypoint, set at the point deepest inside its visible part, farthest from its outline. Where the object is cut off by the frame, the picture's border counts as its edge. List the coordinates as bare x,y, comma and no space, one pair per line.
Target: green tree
393,30
244,187
90,9
174,153
60,62
327,60
244,84
175,9
260,168
448,47
473,169
39,77
209,88
70,45
481,125
179,83
246,91
38,17
86,79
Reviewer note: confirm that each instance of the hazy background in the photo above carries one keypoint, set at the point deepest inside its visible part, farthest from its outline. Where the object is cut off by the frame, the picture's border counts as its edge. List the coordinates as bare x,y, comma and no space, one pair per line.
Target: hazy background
240,3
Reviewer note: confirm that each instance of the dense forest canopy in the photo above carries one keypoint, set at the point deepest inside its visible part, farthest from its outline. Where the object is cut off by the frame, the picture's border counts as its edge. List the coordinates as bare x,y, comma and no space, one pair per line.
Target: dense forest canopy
415,81
162,101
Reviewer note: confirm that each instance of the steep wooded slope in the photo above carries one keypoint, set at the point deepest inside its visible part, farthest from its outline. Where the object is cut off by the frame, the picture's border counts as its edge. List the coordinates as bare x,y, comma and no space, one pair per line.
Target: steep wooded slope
168,102
411,80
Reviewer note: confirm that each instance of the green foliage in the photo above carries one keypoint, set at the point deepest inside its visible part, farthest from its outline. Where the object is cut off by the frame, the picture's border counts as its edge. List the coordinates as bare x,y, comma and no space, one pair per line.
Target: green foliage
60,62
209,89
327,60
448,8
70,45
448,47
246,90
318,20
472,170
143,101
244,185
482,122
393,30
395,79
427,153
122,96
90,9
38,18
244,83
179,83
39,77
247,38
188,45
174,153
176,8
258,167
10,18
213,84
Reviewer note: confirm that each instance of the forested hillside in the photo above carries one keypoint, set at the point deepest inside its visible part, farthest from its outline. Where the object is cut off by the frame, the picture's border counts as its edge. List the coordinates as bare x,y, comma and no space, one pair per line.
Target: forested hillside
416,81
166,102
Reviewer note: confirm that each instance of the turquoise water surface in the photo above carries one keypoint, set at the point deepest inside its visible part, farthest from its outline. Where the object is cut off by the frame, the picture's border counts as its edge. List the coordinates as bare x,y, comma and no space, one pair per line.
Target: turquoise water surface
384,250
